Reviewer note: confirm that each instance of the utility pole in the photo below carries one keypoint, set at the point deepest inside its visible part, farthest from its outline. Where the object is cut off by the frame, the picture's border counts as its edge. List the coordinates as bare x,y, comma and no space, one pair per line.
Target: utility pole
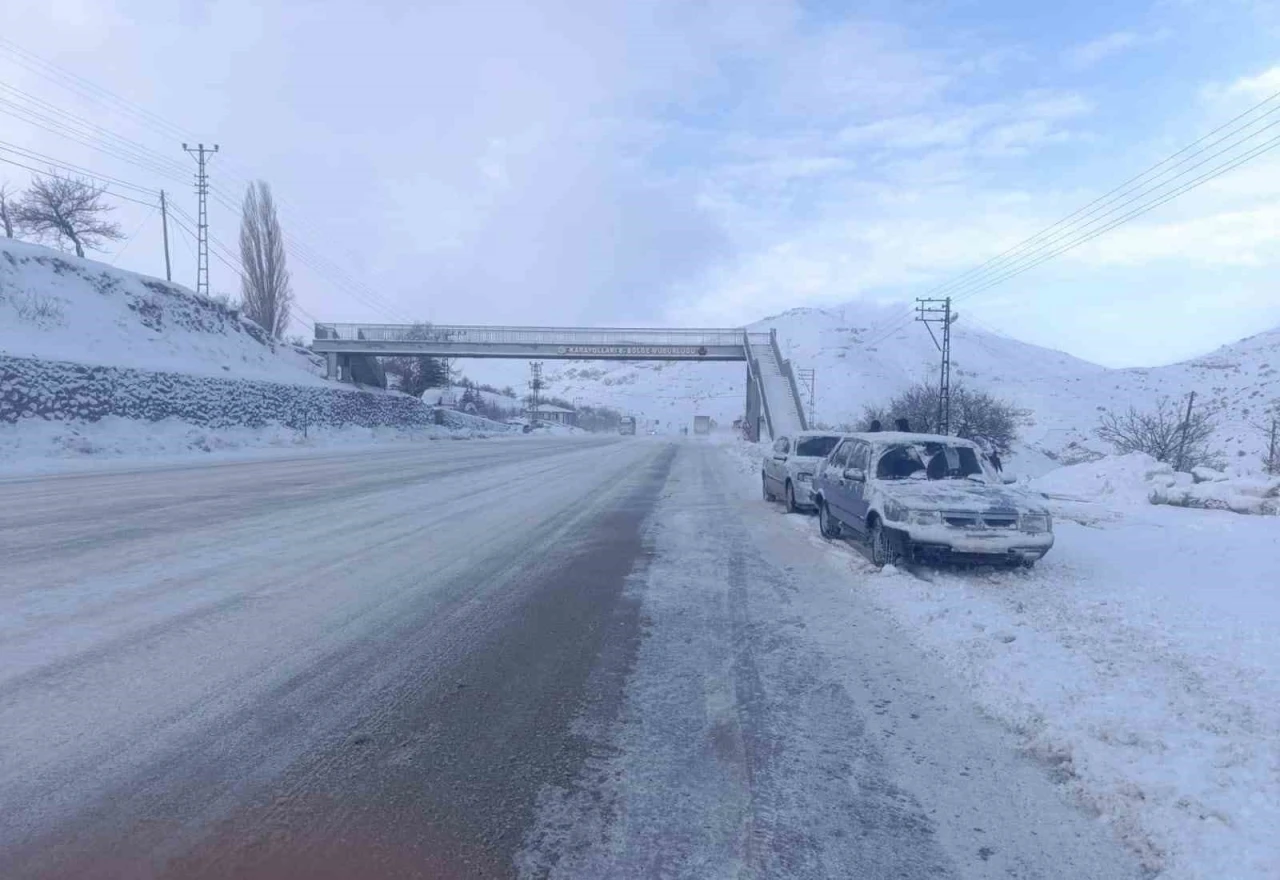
202,218
807,381
1273,466
164,225
1186,423
535,385
930,312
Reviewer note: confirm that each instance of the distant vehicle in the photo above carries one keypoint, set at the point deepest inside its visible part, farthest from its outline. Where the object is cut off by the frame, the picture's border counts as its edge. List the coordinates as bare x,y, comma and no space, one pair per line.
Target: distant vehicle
789,468
702,424
925,496
627,426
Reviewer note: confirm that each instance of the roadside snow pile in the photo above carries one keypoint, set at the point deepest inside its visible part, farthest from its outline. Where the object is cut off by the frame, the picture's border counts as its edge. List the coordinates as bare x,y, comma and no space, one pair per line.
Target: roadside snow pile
1137,479
62,308
1138,662
42,446
1116,479
1216,491
461,421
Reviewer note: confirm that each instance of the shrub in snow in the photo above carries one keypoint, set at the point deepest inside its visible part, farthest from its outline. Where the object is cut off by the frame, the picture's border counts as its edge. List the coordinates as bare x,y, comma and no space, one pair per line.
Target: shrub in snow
1164,432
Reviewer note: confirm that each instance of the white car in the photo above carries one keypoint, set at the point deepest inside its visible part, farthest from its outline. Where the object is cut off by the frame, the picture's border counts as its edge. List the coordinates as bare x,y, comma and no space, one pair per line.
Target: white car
789,468
925,496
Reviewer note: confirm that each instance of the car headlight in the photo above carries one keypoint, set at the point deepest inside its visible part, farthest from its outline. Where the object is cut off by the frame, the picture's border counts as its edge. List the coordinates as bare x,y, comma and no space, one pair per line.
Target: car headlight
804,478
1036,522
926,517
895,511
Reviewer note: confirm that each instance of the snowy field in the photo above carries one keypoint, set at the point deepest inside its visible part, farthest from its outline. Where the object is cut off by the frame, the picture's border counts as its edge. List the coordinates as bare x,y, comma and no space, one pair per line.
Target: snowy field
1139,659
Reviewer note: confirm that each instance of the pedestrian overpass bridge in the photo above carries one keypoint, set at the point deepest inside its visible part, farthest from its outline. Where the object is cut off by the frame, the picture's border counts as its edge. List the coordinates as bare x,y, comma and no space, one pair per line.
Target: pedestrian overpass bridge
773,405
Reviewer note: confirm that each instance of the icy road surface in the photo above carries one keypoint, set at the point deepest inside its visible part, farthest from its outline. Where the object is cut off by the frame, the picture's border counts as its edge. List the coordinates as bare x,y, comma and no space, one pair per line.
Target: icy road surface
531,657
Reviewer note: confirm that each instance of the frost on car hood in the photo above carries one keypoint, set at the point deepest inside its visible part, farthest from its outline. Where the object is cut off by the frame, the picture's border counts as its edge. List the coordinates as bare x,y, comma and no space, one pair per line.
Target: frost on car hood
965,495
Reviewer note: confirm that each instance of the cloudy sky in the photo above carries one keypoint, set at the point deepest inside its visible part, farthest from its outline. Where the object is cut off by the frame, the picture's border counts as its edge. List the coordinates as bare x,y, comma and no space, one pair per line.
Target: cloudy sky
677,162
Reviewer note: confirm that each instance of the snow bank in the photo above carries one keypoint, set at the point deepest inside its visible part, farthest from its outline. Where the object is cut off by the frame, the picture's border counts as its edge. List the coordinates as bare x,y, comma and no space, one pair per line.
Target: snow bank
63,308
1139,663
1116,479
1138,479
48,446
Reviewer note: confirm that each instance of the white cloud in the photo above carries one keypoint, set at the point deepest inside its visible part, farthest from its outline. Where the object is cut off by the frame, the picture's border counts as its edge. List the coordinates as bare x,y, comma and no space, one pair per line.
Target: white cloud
1095,51
1262,85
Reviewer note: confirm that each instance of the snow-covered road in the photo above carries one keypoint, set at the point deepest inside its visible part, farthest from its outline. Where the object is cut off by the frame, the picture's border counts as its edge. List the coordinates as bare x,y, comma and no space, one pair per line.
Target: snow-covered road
537,657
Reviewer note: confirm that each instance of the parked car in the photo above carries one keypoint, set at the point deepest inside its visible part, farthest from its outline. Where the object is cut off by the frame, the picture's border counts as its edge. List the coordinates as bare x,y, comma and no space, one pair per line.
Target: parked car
925,496
789,468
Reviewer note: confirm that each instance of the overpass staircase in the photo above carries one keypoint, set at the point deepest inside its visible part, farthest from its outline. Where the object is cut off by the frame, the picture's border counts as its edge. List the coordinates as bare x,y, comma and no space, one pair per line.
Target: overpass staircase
775,385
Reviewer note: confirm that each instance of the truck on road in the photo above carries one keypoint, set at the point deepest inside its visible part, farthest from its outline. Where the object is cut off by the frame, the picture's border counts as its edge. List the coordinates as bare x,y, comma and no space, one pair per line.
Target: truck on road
627,426
702,424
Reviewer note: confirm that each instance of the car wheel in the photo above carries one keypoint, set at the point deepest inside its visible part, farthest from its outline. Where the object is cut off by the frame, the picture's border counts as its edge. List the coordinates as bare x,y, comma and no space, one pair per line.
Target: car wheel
764,486
791,499
886,545
827,524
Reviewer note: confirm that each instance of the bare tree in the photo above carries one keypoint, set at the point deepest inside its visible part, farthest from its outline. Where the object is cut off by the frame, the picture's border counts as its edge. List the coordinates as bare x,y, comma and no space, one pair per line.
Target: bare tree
975,415
1163,433
267,296
66,208
6,218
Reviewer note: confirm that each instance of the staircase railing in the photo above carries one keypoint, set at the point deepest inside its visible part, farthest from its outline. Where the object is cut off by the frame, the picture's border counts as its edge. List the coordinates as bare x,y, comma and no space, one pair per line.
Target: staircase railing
790,376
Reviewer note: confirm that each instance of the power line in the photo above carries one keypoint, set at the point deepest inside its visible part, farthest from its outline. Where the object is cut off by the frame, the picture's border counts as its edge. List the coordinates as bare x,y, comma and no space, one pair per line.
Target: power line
72,120
129,240
148,158
1127,187
1040,247
104,180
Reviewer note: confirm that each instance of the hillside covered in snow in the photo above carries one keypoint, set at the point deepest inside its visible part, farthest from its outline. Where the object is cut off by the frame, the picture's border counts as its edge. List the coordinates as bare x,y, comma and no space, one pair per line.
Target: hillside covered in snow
858,362
58,307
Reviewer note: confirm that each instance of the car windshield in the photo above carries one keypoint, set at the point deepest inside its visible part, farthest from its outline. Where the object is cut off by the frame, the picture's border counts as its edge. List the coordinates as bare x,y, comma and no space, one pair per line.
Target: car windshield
931,461
816,447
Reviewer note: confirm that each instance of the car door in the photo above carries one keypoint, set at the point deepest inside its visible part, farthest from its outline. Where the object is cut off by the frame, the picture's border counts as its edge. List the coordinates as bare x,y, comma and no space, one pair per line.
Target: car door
859,459
775,465
835,485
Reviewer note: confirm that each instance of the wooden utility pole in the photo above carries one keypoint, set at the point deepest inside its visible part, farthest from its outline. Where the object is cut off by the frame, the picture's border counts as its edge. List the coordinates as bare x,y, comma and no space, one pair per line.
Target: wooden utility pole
164,225
1186,424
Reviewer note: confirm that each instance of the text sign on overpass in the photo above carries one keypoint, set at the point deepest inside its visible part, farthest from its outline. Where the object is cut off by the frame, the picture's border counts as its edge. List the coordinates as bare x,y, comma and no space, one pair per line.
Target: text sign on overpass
569,343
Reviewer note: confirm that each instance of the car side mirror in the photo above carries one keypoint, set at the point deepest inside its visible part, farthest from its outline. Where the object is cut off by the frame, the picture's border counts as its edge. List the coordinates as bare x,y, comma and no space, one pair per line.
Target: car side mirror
855,473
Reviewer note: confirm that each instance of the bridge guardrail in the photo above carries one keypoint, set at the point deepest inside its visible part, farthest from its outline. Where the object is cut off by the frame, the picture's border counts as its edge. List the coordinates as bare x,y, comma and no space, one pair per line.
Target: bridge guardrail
461,333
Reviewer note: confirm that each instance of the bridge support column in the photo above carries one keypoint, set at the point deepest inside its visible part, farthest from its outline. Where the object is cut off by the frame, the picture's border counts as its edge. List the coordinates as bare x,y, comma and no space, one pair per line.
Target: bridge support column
755,415
331,365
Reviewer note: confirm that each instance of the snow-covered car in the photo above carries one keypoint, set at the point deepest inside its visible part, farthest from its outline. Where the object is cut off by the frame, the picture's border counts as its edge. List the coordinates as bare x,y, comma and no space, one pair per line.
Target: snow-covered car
789,468
926,496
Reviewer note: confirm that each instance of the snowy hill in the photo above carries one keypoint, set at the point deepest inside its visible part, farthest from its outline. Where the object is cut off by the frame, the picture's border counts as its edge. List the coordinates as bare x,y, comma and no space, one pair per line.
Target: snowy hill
856,366
58,307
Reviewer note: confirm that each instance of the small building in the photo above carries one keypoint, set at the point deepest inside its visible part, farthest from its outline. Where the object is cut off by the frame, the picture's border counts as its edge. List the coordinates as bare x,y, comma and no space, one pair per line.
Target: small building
548,412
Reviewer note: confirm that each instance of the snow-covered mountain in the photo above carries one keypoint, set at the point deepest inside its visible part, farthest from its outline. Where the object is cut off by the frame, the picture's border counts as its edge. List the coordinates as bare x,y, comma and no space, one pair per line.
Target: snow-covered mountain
856,364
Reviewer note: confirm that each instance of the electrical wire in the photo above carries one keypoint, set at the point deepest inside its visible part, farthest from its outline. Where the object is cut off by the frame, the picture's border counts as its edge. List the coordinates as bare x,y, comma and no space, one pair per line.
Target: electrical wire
130,239
46,171
138,154
1044,245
